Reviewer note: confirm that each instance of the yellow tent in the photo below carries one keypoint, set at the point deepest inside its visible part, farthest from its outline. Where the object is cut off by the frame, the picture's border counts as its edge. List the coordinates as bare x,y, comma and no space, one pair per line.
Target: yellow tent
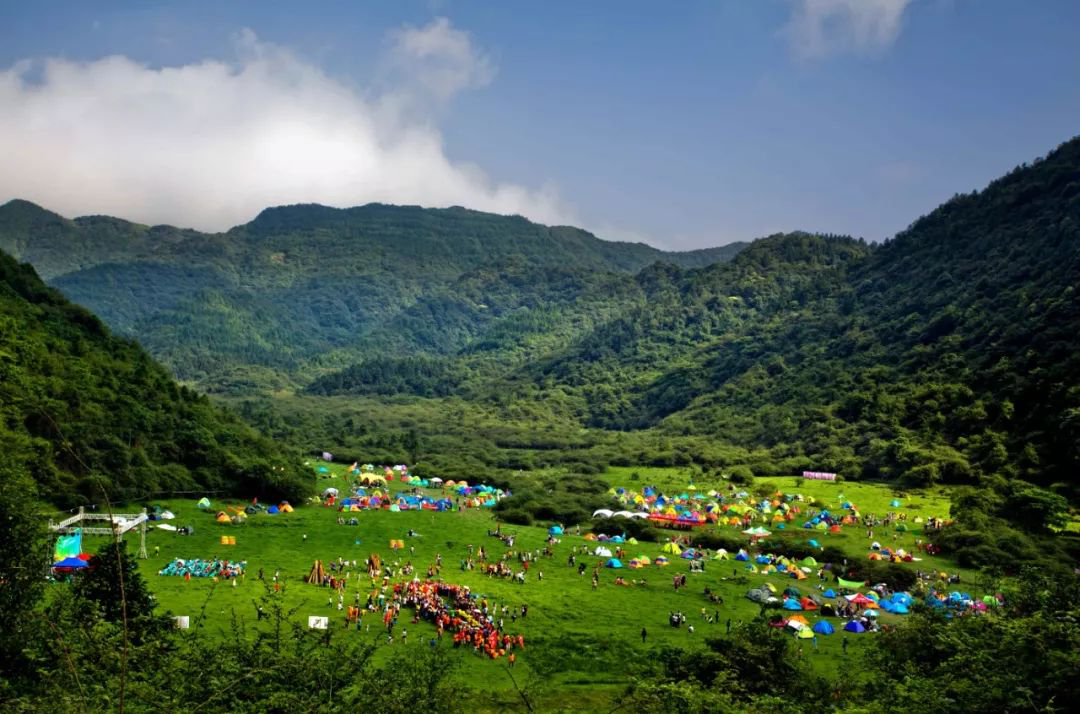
671,548
285,507
223,518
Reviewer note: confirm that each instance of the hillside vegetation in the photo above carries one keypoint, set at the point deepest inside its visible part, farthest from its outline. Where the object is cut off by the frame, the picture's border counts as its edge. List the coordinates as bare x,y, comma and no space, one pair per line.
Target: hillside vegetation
273,301
87,415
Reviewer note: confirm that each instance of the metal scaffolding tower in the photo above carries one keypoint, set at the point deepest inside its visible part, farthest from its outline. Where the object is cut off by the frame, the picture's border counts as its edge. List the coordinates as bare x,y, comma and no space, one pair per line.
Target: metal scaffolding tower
118,525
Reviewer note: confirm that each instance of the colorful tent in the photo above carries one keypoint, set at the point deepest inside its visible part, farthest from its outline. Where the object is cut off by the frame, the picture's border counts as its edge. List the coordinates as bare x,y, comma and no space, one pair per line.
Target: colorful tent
75,562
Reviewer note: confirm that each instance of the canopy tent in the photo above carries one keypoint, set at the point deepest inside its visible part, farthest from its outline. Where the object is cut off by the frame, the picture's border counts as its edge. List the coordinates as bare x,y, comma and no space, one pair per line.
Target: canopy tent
68,546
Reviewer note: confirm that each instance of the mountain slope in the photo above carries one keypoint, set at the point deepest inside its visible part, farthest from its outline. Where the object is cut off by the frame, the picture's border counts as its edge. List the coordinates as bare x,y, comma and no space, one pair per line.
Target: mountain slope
299,287
950,353
93,416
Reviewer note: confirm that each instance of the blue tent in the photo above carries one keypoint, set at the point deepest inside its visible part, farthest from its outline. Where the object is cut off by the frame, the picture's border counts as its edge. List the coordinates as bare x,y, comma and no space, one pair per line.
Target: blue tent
902,599
814,543
70,563
829,593
272,510
855,626
899,609
792,604
894,503
613,563
824,628
742,556
555,530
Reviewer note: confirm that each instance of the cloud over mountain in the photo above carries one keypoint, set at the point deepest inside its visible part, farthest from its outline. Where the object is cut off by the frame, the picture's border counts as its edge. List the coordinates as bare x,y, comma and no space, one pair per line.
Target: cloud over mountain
209,144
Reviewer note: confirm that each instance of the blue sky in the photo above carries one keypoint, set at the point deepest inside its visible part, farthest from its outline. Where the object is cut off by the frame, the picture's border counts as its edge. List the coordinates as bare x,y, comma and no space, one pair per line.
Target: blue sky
685,124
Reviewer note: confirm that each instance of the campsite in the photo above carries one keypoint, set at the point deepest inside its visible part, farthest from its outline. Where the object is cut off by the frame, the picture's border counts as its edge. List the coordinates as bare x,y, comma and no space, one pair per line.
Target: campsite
711,357
585,642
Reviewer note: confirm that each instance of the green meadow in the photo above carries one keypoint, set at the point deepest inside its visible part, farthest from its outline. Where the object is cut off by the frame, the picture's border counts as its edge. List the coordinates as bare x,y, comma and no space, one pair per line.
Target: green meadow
581,645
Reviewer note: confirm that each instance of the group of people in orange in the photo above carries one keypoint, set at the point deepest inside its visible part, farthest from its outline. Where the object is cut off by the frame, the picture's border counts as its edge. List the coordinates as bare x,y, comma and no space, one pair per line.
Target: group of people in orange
453,608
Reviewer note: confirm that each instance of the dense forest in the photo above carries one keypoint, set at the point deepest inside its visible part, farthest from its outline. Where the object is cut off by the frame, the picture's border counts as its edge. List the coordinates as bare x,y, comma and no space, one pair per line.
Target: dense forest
91,416
461,341
948,354
304,288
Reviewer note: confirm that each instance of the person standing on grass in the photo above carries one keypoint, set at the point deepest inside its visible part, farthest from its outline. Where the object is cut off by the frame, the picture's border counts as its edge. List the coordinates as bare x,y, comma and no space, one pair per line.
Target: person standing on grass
644,634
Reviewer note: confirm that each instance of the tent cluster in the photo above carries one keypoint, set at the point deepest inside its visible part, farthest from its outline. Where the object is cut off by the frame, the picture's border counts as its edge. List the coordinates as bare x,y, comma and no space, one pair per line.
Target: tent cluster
376,499
199,568
157,513
693,508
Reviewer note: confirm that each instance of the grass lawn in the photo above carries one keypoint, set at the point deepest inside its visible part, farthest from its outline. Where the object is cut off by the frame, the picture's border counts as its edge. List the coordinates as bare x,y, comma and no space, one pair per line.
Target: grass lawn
583,644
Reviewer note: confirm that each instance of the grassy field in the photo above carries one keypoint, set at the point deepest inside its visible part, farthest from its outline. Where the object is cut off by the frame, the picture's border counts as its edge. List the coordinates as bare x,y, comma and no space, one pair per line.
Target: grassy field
581,645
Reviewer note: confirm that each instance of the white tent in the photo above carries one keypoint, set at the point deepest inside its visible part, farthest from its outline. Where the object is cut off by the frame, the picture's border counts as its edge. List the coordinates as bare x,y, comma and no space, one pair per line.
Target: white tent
329,492
623,514
601,513
168,515
639,515
603,552
166,527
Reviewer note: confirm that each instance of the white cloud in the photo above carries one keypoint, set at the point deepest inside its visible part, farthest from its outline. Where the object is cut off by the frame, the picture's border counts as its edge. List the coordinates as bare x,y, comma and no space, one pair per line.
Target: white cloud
209,144
822,27
440,58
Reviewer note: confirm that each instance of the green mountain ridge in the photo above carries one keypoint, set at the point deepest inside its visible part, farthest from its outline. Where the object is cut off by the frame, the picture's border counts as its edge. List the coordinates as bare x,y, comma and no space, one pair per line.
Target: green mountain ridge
298,289
90,416
949,353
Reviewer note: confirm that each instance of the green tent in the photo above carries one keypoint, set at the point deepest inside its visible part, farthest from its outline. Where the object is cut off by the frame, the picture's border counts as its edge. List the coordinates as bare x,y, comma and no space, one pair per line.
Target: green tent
204,502
809,561
849,583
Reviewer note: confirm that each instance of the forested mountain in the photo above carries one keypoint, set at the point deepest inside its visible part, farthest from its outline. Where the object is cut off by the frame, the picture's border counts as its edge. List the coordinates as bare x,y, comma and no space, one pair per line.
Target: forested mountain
270,302
90,415
950,353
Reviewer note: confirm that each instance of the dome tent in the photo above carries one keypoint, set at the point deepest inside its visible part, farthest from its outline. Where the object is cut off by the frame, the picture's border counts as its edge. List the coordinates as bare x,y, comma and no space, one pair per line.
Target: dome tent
824,627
